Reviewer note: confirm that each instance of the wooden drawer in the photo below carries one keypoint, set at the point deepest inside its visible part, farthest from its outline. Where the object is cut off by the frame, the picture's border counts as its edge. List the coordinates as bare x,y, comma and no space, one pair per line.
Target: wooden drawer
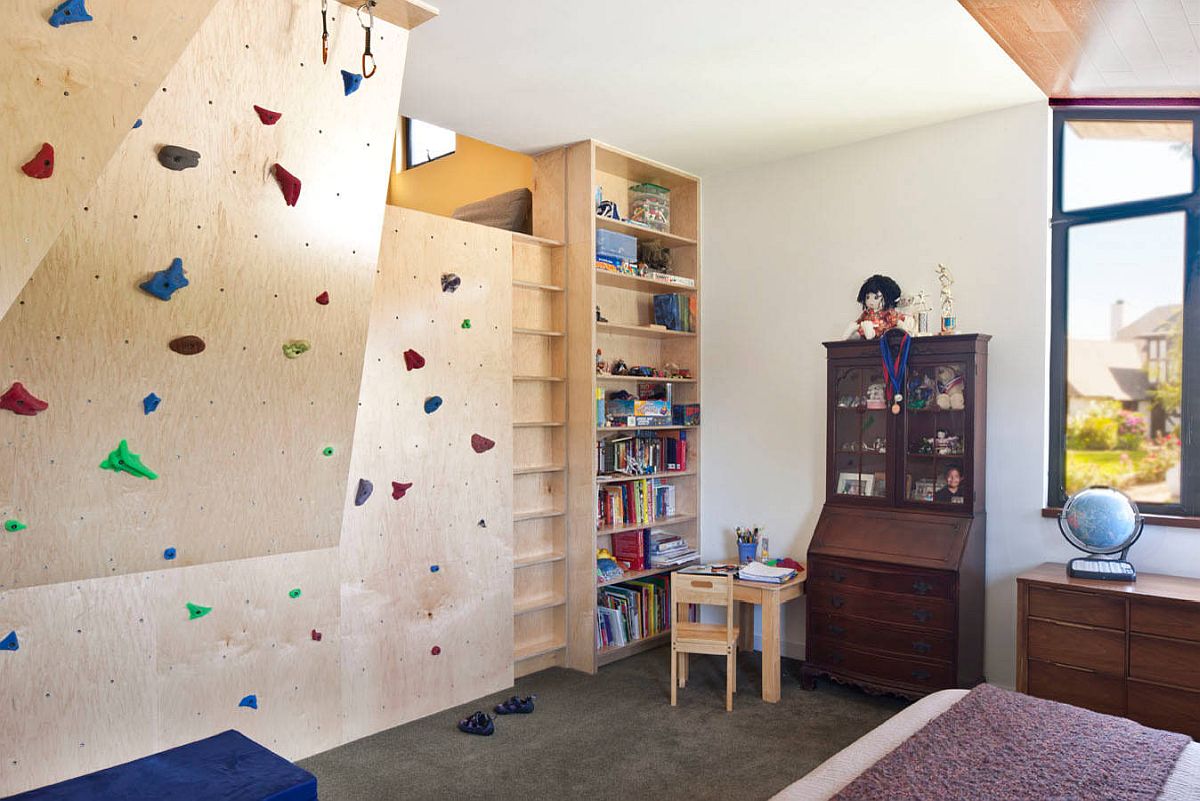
924,613
1077,686
1098,649
1165,708
880,637
884,578
1168,661
1165,619
925,674
1077,607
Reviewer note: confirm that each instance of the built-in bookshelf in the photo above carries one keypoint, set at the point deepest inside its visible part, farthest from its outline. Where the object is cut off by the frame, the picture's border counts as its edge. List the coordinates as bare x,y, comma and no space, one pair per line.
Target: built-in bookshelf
628,333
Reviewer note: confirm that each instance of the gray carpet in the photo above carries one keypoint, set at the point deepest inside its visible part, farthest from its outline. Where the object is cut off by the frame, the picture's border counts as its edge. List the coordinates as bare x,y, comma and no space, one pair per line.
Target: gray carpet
612,736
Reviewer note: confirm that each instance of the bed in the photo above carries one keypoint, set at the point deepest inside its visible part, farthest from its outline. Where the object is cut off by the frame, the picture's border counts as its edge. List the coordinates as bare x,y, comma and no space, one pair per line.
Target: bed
843,768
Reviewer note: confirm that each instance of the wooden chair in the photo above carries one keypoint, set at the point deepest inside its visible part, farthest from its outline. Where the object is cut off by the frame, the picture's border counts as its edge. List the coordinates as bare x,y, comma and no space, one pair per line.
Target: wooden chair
702,638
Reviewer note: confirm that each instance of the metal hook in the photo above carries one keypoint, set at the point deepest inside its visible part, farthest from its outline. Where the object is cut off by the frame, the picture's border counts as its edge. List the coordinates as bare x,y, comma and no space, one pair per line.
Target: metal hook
367,27
324,32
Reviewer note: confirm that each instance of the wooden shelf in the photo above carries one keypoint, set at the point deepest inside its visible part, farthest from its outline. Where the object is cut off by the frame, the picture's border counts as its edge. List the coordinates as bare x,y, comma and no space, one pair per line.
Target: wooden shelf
530,239
647,379
613,653
643,233
538,603
601,429
536,514
637,282
537,559
638,170
539,424
650,332
538,332
539,468
406,14
660,474
537,648
552,379
662,521
535,285
634,575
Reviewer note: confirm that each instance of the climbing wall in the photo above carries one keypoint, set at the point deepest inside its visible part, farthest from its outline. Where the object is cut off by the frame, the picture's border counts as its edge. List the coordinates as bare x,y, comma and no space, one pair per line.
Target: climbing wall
79,87
427,576
250,447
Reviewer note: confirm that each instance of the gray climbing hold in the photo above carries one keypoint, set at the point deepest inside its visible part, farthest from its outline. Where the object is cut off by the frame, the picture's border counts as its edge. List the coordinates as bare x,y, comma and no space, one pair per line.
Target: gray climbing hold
450,282
365,488
177,158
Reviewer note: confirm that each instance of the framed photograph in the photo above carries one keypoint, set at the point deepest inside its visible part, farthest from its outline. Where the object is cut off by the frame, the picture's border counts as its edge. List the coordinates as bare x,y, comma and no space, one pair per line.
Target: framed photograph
855,484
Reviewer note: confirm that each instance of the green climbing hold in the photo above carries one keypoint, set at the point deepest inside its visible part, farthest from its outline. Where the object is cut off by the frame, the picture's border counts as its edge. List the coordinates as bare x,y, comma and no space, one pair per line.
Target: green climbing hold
14,525
196,610
124,460
294,348
328,450
294,593
466,323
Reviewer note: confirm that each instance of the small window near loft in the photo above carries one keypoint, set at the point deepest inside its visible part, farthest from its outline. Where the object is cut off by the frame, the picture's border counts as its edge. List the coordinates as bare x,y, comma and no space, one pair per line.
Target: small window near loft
424,143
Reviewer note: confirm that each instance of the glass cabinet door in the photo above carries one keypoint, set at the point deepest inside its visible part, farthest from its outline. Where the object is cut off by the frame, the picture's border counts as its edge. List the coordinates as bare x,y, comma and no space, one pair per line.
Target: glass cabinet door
936,432
860,433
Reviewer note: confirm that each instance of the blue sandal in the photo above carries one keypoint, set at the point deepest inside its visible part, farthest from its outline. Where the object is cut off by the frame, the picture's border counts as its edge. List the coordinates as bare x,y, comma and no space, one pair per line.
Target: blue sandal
516,706
478,723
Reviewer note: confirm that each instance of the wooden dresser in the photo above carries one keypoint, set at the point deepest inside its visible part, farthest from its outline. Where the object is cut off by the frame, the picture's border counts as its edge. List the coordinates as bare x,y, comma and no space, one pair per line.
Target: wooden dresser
895,567
1123,649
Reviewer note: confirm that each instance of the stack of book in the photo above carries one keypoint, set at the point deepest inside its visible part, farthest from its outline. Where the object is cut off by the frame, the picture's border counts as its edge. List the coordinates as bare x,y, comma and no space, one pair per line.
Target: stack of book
634,502
757,571
668,550
647,451
632,611
675,311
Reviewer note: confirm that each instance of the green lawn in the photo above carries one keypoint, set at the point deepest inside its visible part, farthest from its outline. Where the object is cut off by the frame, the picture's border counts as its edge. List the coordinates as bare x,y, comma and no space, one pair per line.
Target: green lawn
1100,467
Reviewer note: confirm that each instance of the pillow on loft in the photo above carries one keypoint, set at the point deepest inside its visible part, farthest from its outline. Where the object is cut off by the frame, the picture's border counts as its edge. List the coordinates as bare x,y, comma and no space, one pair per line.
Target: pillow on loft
512,211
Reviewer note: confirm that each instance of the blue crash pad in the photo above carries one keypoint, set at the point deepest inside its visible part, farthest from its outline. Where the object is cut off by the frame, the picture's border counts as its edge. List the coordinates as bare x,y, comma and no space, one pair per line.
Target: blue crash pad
226,767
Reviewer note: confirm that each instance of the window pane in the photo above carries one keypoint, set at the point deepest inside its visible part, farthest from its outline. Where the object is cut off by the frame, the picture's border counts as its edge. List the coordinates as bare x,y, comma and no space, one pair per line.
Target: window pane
427,142
1117,161
1124,355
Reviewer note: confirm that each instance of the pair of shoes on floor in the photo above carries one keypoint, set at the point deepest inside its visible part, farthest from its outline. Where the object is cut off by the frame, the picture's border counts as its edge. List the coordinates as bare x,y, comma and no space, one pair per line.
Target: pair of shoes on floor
483,724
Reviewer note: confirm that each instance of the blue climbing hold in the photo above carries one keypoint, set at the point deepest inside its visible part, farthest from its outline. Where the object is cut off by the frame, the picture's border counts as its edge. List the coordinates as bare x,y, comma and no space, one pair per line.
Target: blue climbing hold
350,82
9,643
164,282
169,554
68,12
137,123
434,568
365,488
432,404
250,701
150,403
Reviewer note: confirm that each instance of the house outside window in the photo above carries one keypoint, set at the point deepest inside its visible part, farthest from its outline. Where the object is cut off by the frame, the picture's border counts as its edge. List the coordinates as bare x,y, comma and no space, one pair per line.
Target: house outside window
1125,258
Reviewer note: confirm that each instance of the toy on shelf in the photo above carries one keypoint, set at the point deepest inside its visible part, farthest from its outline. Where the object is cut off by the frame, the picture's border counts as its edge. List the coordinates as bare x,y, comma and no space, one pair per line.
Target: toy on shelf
607,568
922,390
945,279
950,386
877,297
650,206
876,397
608,209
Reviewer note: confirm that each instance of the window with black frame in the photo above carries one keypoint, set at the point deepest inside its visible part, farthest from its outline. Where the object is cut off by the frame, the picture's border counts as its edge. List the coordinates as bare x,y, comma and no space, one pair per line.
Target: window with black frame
424,142
1125,253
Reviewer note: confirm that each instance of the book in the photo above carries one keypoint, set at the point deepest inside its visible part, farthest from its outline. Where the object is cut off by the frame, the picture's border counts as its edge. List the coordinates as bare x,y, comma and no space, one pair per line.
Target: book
757,571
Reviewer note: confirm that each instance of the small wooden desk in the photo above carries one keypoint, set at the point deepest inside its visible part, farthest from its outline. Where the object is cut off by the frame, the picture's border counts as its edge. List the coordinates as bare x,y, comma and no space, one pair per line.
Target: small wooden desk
748,594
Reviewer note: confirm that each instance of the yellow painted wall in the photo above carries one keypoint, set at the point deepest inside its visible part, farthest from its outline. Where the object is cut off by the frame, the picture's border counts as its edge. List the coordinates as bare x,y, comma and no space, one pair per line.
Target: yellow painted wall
476,170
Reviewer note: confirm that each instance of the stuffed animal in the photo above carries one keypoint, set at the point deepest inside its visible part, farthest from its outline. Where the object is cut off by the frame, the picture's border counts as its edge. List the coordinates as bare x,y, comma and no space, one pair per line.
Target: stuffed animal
950,386
877,297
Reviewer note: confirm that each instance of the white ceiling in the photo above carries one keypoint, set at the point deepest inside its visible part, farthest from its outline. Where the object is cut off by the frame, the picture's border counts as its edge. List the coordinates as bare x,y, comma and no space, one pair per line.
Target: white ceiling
703,85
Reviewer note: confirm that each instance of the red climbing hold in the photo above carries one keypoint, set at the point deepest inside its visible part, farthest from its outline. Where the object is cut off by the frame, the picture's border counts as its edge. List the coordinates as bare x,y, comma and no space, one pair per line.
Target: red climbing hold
481,443
18,401
399,488
413,360
323,298
41,165
267,116
435,650
288,184
316,635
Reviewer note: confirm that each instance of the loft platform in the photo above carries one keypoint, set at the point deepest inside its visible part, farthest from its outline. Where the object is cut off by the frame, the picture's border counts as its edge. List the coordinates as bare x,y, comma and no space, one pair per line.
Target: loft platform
406,14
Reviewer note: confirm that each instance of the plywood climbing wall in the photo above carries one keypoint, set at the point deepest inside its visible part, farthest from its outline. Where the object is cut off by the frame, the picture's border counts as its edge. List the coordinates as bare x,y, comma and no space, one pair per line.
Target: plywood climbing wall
431,570
79,87
240,438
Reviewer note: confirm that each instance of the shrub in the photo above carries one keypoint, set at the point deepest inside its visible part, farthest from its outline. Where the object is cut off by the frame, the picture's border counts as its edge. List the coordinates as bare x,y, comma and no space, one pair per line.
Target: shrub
1090,432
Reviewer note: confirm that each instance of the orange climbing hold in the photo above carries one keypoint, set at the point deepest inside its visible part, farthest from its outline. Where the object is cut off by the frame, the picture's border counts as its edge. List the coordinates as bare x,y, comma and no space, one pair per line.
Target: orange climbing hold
41,165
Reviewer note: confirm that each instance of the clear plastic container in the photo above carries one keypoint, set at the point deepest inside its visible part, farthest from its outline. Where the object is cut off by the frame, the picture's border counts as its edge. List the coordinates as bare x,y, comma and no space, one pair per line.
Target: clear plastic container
650,205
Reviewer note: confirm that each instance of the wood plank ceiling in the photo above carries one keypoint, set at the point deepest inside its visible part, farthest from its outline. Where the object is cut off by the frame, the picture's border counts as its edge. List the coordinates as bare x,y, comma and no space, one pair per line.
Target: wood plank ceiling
1099,48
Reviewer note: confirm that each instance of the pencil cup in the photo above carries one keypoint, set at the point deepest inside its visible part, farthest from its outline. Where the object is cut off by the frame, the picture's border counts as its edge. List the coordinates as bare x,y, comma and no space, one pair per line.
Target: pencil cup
746,551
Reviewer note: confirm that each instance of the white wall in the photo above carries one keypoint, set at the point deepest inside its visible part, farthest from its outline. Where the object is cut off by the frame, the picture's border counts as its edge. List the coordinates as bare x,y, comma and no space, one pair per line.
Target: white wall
786,246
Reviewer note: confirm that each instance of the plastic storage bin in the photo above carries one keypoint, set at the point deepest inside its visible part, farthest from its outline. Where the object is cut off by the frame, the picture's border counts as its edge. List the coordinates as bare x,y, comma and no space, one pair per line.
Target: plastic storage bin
611,245
650,205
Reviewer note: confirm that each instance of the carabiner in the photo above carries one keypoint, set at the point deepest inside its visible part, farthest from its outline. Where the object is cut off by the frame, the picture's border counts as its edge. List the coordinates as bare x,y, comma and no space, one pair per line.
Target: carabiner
367,27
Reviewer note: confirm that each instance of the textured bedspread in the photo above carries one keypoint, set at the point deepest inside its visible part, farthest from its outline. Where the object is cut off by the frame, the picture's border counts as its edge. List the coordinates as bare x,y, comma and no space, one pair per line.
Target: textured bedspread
1012,747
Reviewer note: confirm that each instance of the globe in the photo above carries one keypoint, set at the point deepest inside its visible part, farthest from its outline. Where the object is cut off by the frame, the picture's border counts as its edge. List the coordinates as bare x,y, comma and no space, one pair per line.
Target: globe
1100,520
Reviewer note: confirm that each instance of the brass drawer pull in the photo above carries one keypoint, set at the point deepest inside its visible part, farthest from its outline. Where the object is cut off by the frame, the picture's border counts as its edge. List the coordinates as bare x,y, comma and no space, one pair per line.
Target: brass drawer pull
921,587
922,615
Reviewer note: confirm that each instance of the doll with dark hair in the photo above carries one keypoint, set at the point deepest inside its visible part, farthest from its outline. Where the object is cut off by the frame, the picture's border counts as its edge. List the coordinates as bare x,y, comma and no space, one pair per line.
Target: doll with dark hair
877,297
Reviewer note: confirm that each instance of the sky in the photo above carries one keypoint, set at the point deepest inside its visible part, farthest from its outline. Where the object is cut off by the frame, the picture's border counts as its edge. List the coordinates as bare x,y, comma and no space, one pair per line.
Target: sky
1140,261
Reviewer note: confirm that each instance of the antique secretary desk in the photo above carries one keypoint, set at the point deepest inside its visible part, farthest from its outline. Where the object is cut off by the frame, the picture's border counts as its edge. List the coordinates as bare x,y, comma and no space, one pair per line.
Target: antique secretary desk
896,563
